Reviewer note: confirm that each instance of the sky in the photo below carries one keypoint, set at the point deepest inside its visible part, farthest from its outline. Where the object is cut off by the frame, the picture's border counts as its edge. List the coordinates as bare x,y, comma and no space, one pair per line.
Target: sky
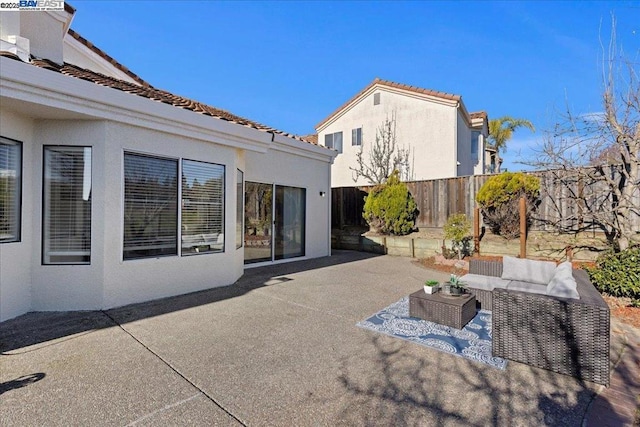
290,64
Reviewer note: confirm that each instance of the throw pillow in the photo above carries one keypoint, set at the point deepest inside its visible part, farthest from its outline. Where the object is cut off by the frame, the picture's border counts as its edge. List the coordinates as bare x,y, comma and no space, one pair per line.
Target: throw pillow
528,270
563,284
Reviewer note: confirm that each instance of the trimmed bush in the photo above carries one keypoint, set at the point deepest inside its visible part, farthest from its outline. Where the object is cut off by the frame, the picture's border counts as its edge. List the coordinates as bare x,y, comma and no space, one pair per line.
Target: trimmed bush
389,208
618,274
499,201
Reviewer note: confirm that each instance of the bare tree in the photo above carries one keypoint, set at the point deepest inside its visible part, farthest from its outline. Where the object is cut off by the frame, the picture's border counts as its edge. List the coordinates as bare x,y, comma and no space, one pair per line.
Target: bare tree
595,159
384,157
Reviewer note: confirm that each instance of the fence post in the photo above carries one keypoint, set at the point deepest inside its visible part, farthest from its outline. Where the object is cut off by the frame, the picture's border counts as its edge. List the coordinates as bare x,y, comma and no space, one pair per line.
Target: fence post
476,230
523,227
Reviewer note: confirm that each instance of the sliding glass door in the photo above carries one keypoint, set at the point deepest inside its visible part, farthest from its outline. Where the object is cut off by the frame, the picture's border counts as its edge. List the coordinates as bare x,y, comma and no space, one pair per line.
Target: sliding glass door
289,222
274,222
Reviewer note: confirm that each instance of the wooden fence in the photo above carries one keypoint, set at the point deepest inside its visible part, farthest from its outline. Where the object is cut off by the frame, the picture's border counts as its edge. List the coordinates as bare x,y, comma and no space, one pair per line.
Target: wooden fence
440,198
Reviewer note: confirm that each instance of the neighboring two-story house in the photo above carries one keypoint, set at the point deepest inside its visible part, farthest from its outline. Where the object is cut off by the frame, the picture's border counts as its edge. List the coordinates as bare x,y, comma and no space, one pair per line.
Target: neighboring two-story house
444,139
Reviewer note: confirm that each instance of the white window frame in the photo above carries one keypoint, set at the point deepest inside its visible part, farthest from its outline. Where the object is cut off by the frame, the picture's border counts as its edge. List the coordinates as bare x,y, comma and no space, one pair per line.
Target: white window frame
209,241
14,229
356,137
72,245
334,140
217,245
175,237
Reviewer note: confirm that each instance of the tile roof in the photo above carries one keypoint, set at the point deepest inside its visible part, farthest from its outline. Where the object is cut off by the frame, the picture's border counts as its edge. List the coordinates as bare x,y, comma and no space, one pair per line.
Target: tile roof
312,138
106,57
378,81
479,115
150,93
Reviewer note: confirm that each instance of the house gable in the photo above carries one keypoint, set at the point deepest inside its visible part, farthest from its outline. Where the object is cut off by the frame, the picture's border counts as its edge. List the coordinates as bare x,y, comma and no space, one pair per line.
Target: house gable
379,85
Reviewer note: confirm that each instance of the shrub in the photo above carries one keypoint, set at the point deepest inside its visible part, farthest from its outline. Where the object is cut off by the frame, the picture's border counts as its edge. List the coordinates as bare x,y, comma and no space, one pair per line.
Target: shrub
499,201
618,274
457,230
389,208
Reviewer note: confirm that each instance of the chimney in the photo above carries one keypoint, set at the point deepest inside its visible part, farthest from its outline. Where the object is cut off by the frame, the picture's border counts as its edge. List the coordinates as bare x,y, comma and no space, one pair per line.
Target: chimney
40,34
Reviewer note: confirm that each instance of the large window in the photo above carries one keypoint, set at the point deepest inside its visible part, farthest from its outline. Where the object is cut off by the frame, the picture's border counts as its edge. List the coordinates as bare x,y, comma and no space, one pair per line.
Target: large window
150,206
202,207
10,190
333,140
67,205
239,208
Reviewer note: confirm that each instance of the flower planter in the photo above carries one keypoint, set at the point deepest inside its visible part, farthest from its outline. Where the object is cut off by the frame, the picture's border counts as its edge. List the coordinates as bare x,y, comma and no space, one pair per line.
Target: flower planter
431,289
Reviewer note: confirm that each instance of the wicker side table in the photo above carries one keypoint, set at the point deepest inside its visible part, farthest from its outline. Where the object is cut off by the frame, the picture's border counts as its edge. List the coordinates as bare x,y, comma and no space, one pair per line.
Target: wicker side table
444,310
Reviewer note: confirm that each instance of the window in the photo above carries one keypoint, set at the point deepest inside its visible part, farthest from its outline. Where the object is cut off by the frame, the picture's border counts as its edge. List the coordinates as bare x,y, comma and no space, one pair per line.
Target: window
239,208
202,207
475,142
356,136
150,206
334,140
10,190
67,205
376,98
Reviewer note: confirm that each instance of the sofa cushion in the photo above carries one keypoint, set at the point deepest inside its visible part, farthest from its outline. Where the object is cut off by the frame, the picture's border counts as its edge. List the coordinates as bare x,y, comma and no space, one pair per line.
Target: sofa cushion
563,284
532,288
479,281
528,270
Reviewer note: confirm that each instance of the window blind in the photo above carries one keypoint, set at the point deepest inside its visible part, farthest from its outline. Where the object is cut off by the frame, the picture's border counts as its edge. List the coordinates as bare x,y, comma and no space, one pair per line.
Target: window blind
150,206
10,190
67,205
202,207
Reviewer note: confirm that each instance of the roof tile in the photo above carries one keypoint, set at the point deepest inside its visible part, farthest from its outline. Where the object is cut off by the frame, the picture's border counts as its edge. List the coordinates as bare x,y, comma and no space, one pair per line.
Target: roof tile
151,93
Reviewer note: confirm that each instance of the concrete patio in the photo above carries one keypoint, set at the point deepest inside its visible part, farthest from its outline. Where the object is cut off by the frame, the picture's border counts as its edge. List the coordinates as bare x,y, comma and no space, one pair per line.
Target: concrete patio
280,347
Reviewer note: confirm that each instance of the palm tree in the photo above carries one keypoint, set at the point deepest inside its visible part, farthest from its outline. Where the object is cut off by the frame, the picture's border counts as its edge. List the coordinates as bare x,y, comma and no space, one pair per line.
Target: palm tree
500,131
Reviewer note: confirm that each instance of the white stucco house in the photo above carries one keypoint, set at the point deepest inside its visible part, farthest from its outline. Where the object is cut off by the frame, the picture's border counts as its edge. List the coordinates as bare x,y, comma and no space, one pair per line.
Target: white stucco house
114,192
444,139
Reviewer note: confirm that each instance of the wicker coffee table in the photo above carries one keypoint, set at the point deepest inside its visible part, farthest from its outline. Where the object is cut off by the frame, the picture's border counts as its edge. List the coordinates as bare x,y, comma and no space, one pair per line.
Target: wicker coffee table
443,309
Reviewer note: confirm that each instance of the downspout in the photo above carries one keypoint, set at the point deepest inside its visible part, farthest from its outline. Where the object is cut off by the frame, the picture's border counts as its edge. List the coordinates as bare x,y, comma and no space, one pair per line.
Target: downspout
455,139
329,202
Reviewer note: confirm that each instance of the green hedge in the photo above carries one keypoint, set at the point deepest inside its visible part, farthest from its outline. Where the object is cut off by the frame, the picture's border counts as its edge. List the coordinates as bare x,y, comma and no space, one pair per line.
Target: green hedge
390,209
618,274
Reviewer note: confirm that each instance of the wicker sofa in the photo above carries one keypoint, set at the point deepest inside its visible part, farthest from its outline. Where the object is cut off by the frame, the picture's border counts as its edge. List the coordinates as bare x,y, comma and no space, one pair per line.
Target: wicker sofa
564,335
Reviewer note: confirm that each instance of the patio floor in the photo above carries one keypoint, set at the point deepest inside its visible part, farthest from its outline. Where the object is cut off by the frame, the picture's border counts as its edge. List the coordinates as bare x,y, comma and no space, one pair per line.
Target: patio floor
280,347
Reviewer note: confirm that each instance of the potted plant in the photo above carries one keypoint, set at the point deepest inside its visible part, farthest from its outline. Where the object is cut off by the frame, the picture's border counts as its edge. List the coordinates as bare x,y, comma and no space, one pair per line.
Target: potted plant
431,286
456,287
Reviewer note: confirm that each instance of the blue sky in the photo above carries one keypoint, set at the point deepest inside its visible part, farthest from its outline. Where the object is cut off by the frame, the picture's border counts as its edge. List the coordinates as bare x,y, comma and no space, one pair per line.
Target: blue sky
290,64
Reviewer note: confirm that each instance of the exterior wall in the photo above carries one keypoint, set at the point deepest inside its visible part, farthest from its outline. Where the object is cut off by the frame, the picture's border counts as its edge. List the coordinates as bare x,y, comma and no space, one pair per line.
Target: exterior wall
428,127
45,34
108,281
9,24
68,287
77,54
463,147
138,280
16,257
279,167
